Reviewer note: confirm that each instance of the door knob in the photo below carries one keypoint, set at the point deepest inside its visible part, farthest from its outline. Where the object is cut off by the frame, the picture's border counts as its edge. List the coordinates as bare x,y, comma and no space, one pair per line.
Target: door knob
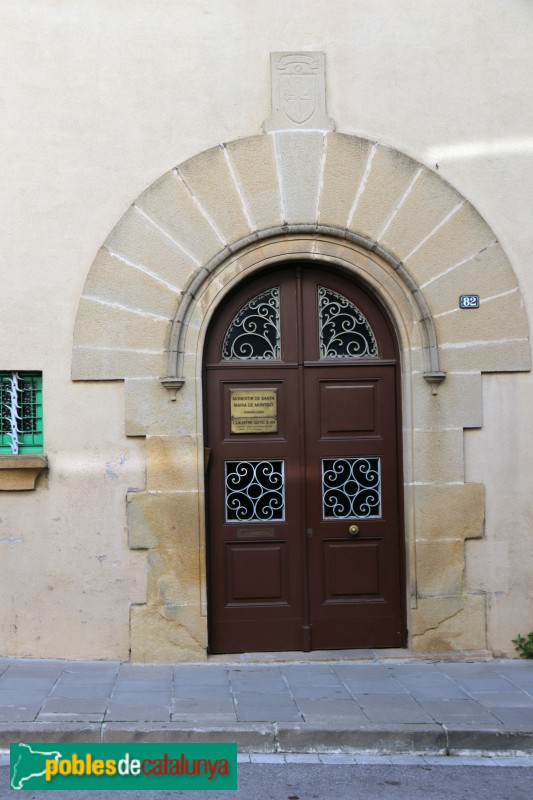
353,530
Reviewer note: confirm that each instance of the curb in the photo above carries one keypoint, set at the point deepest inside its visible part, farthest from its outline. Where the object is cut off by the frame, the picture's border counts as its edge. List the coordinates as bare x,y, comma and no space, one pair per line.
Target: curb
286,738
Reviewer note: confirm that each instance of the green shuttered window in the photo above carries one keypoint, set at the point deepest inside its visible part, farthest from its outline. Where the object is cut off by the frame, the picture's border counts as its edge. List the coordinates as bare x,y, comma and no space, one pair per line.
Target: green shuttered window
21,413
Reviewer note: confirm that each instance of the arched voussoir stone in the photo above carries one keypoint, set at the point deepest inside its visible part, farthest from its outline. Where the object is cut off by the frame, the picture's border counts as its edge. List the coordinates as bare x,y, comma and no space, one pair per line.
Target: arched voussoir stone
334,186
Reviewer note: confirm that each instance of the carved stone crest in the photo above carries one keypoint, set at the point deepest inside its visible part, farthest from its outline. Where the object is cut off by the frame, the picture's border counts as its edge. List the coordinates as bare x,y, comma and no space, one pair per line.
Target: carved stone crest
298,93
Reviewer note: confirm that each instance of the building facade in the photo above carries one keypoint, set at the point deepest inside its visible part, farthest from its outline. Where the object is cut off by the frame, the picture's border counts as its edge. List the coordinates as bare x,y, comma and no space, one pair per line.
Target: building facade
266,367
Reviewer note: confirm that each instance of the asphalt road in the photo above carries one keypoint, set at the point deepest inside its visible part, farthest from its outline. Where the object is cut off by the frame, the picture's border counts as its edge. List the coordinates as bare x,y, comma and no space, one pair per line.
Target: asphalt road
337,782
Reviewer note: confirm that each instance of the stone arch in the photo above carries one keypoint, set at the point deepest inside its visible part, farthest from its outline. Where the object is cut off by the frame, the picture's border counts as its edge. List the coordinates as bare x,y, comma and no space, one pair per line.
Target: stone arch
363,207
174,379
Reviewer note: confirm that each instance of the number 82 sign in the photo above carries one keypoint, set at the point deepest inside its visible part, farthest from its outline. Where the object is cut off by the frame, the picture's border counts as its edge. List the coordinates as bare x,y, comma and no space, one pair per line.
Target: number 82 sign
469,301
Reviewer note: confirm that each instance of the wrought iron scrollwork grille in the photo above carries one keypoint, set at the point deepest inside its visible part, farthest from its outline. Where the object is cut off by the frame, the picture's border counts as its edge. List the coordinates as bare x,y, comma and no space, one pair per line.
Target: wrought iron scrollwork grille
344,331
351,488
20,412
255,491
255,330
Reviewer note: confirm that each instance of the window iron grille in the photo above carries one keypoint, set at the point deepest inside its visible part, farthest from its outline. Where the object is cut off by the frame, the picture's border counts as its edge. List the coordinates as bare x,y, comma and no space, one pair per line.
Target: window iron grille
255,330
21,413
344,331
351,488
255,491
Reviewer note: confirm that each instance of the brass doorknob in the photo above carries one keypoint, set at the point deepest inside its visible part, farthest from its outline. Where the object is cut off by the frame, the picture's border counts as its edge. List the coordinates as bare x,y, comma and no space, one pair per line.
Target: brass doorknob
353,530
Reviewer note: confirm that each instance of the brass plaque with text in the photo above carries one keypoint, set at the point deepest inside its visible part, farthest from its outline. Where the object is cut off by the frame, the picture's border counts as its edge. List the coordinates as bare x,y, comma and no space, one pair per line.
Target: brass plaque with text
254,410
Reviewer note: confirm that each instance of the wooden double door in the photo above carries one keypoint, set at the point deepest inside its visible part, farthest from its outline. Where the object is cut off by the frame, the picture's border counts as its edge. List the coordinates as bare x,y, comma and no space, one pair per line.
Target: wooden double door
303,504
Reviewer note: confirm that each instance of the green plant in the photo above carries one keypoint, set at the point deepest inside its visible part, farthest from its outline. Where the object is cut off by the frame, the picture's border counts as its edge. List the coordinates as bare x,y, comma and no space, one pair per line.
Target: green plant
524,646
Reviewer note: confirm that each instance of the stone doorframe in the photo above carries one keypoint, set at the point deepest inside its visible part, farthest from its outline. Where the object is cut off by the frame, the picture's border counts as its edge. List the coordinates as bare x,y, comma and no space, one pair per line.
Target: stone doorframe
332,199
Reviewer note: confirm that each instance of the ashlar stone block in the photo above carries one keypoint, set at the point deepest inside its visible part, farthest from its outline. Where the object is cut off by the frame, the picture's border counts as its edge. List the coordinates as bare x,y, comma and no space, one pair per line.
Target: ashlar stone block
440,566
299,162
501,318
141,242
458,402
488,273
163,520
170,204
345,160
463,236
390,175
102,325
173,577
438,456
156,638
211,183
116,281
444,624
449,511
104,364
172,462
254,162
428,202
507,356
150,410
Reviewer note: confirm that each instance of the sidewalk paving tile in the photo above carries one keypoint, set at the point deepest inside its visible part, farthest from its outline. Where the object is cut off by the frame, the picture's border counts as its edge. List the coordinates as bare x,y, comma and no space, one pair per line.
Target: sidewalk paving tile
133,699
206,675
18,713
482,684
372,672
503,699
220,718
331,708
312,692
313,674
68,716
83,705
23,682
117,713
134,685
202,692
146,672
261,714
380,686
73,693
457,711
395,709
192,706
515,717
21,697
437,692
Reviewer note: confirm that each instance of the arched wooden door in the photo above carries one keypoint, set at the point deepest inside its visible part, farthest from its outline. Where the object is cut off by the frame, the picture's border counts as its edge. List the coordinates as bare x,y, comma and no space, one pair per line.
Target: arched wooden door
303,501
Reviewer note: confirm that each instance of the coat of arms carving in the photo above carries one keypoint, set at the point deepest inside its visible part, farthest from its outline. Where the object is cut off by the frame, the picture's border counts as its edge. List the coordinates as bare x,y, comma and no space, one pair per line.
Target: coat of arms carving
298,92
298,87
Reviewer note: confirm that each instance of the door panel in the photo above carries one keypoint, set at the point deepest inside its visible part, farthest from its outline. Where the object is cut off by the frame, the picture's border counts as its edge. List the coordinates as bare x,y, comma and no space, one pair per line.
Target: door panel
353,570
256,573
353,480
351,407
304,446
256,597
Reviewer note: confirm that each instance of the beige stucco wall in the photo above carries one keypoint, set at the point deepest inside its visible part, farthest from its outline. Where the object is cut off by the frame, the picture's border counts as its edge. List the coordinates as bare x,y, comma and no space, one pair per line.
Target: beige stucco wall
98,100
